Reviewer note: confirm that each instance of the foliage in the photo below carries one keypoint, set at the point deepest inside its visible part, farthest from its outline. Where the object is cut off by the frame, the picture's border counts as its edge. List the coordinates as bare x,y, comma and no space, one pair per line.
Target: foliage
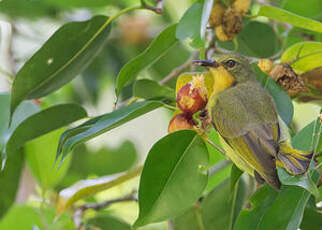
55,113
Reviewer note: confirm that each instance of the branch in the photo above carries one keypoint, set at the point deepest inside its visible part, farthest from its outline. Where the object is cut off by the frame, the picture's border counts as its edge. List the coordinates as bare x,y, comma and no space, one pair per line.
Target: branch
174,73
157,9
78,214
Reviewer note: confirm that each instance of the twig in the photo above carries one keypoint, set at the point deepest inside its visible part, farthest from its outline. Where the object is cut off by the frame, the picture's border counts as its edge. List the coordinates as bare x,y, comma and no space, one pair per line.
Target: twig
7,75
78,214
216,146
216,168
157,9
174,73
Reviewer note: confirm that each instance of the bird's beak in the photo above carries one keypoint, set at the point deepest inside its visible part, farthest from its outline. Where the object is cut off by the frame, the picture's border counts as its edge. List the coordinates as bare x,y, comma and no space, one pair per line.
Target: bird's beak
206,63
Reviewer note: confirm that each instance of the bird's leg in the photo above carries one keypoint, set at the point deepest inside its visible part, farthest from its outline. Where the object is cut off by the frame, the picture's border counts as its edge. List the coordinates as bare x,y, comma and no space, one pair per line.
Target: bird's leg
205,120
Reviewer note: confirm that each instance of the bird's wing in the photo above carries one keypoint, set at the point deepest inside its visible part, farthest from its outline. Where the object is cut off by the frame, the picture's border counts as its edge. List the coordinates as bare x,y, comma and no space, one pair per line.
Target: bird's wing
245,116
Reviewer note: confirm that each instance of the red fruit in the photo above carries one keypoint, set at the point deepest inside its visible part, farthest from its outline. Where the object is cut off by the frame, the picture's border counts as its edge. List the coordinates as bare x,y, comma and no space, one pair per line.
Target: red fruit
181,121
191,99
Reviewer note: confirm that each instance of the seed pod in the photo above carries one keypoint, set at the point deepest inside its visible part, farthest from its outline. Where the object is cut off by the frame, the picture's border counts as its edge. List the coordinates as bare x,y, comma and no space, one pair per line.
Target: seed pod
181,121
192,97
232,22
241,6
265,65
216,15
292,83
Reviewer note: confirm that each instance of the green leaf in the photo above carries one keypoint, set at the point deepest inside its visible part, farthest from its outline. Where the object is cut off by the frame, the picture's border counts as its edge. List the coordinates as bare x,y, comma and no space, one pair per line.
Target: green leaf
34,218
250,45
289,17
287,211
303,181
282,100
28,217
9,179
80,3
101,124
308,8
40,154
25,110
206,11
259,204
65,55
221,206
312,219
104,161
44,122
190,25
190,219
149,89
29,9
234,176
168,189
303,139
158,47
85,188
108,222
304,56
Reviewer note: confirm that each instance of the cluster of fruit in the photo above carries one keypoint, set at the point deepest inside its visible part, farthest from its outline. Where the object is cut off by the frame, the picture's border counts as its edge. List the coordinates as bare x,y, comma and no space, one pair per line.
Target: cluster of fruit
191,98
226,19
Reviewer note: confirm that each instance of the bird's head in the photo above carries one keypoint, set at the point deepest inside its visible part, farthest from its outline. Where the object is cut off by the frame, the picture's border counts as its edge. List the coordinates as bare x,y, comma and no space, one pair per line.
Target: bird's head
228,70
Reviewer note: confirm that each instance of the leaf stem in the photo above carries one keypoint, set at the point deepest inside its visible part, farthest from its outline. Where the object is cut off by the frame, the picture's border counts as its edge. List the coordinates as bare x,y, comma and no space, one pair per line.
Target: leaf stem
6,74
78,214
216,146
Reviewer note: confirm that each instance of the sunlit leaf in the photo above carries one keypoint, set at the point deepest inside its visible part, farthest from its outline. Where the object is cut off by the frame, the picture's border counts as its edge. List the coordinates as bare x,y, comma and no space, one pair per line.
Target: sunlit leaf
307,8
158,47
169,188
289,17
304,56
101,162
44,122
66,54
40,155
85,188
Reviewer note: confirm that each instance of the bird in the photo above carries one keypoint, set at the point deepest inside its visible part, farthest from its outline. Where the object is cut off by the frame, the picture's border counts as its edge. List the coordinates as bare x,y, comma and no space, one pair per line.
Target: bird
245,116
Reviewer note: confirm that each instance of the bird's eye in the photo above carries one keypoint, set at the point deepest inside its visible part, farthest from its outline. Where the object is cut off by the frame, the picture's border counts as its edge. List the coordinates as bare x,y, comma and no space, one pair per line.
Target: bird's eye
230,63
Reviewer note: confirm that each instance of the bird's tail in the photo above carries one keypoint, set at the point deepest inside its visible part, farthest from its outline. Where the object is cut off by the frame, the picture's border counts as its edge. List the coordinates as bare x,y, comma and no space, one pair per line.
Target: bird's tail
294,161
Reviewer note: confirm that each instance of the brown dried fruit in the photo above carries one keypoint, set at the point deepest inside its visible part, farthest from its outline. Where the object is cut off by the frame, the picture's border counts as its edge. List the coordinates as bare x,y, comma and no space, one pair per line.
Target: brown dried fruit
192,97
284,75
232,21
181,121
265,65
216,15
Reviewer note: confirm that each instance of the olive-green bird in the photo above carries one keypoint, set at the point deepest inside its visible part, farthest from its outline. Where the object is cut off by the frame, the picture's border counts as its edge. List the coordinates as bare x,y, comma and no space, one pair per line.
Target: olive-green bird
245,116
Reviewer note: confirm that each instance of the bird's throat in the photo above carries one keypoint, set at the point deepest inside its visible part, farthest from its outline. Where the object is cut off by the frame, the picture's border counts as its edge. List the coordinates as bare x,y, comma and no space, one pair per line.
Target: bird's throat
222,79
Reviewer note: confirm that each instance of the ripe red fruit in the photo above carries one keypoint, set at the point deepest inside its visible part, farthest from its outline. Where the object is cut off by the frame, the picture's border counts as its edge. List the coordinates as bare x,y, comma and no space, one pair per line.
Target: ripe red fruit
181,121
191,98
